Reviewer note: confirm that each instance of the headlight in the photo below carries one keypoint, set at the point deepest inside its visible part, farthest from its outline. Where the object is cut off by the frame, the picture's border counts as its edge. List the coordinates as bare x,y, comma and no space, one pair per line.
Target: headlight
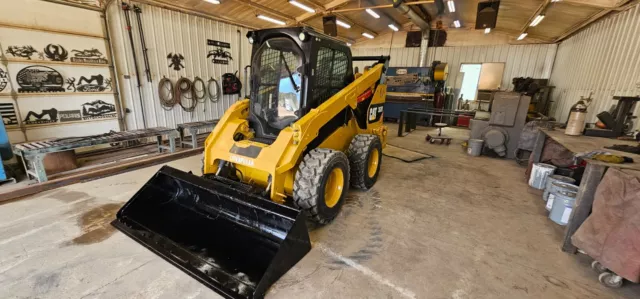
302,36
251,39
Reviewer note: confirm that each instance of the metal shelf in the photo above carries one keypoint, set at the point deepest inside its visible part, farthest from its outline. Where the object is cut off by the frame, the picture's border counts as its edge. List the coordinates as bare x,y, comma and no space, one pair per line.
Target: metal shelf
38,94
40,61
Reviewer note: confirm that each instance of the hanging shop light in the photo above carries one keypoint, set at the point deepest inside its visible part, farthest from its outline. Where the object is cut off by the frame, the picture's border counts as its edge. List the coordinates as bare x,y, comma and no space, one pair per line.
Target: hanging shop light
522,36
343,24
537,20
302,6
452,6
367,35
270,19
372,13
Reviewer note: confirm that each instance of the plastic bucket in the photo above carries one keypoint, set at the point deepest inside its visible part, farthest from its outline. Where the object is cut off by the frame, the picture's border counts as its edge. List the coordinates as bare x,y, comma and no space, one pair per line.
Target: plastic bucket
562,207
539,174
557,187
475,147
555,178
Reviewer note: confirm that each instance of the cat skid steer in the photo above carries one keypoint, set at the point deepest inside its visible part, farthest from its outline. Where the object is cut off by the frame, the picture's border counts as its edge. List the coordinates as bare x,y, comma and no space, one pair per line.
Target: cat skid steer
288,152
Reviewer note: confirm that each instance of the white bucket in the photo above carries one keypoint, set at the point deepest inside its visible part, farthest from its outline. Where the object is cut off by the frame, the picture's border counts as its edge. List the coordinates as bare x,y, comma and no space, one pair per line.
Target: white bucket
475,147
539,174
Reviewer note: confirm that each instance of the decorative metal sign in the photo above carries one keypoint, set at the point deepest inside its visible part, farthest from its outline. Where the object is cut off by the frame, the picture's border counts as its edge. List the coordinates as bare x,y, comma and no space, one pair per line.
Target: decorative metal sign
69,115
88,56
175,61
220,56
220,44
8,112
56,52
95,83
4,80
45,117
38,78
98,109
21,51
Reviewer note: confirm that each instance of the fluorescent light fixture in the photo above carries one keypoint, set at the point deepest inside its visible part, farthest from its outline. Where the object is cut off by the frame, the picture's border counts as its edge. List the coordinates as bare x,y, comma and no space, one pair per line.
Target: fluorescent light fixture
348,44
343,24
556,0
372,13
270,19
537,20
456,23
393,27
302,6
367,35
522,36
487,30
452,6
213,1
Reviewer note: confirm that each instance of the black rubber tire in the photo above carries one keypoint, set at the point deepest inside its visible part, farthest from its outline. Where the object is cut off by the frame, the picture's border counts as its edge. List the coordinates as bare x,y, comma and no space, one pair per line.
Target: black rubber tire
359,150
310,180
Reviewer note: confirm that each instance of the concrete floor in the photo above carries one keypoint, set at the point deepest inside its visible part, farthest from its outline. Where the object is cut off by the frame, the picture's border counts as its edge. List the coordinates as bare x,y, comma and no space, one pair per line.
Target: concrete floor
449,227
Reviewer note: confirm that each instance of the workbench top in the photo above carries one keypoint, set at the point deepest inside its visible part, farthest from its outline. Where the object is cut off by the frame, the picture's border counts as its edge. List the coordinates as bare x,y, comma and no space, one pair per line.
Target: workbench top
582,144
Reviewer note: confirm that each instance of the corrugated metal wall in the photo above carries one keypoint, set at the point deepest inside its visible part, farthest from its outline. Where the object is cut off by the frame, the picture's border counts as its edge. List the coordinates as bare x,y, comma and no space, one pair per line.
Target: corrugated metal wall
602,59
534,61
167,32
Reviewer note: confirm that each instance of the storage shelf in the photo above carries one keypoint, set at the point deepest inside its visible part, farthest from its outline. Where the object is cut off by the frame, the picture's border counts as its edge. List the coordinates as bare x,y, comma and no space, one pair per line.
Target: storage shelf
57,124
54,94
50,30
39,61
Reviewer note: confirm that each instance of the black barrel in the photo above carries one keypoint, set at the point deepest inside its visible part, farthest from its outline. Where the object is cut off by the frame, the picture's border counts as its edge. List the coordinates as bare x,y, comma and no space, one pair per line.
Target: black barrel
235,242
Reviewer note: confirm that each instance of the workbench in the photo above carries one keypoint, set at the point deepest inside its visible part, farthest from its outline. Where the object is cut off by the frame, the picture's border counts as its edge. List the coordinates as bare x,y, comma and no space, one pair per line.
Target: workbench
593,174
32,153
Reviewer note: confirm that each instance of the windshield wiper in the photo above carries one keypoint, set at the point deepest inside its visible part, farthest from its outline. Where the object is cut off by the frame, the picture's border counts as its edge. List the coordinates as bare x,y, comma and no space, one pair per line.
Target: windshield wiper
289,71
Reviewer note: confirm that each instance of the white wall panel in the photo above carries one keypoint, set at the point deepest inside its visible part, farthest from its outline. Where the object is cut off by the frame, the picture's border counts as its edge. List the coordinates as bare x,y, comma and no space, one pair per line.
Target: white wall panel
603,59
534,61
167,32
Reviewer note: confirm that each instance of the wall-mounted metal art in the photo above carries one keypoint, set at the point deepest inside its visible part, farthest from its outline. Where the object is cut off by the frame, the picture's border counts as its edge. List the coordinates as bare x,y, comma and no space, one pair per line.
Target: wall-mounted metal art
38,78
69,115
175,61
89,56
98,109
56,52
8,112
45,117
220,56
21,51
4,80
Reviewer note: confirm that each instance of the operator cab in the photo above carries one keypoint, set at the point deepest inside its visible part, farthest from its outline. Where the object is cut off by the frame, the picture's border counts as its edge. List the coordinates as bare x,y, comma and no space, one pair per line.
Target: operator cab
287,64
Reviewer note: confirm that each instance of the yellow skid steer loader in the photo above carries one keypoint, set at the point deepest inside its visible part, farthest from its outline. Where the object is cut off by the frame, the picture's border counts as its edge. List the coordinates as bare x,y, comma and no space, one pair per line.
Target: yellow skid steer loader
307,132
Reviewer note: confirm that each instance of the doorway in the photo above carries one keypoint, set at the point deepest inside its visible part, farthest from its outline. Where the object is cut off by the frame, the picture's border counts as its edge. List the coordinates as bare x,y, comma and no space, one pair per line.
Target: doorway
470,79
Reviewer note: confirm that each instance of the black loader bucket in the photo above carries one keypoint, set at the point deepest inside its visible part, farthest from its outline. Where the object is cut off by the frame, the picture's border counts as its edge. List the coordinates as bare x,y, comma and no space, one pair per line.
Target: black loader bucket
236,243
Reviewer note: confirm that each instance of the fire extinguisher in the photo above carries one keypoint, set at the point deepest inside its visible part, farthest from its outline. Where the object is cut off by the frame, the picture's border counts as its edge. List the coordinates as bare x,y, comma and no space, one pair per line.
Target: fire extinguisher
577,117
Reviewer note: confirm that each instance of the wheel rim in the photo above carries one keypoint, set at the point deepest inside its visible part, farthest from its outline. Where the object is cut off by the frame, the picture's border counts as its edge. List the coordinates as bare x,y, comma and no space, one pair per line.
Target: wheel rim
374,159
333,188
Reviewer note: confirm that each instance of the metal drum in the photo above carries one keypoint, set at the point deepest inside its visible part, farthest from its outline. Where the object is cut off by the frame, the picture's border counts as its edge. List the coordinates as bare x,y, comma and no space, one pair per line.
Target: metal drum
555,178
562,207
539,174
557,187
